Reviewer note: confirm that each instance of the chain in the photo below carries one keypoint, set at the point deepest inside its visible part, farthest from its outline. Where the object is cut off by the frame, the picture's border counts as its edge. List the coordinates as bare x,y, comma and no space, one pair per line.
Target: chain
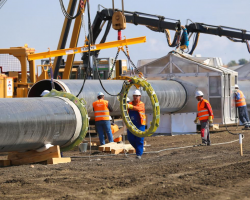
84,28
110,73
128,57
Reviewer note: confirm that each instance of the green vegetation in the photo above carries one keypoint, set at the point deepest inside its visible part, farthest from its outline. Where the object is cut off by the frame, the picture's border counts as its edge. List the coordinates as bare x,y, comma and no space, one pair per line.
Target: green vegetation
242,61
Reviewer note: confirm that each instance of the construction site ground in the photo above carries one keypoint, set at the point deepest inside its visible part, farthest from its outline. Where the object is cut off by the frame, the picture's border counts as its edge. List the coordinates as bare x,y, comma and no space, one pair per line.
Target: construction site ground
204,172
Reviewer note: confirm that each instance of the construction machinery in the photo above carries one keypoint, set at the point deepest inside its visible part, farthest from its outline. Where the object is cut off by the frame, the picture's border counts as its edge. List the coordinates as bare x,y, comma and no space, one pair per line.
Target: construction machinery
174,77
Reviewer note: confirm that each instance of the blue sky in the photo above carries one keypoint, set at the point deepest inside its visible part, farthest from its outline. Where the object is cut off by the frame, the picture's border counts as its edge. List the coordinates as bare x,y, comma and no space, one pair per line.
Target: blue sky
39,24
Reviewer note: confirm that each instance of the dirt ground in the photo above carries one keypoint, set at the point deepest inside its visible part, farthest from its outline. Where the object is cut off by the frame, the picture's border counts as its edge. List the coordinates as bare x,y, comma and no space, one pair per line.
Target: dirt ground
212,172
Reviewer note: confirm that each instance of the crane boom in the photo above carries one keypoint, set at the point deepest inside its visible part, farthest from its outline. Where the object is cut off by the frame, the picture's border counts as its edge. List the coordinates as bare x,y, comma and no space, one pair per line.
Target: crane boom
69,51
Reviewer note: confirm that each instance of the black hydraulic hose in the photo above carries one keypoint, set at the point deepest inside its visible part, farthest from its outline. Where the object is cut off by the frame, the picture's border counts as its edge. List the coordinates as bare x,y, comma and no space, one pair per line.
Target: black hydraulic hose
87,71
66,14
195,43
114,95
89,24
248,46
2,3
238,40
104,36
176,38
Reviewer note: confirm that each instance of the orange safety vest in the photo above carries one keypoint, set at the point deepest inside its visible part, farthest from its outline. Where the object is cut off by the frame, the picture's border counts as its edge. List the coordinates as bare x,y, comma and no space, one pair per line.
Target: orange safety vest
203,113
114,129
141,112
241,101
101,110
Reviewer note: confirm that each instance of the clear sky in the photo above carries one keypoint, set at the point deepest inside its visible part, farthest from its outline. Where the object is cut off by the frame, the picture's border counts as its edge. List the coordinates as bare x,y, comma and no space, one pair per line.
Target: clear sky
39,22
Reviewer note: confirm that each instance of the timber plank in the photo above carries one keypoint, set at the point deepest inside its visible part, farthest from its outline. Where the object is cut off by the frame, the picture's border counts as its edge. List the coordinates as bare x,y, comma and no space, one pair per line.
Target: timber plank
59,160
102,147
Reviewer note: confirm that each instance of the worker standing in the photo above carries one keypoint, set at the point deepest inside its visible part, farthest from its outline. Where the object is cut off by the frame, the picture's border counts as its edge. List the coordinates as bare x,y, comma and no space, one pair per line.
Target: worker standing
240,103
205,115
101,109
137,115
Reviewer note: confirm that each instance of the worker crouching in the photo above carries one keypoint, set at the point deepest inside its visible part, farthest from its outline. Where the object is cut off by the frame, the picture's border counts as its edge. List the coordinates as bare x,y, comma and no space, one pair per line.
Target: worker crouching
205,115
101,109
114,129
137,115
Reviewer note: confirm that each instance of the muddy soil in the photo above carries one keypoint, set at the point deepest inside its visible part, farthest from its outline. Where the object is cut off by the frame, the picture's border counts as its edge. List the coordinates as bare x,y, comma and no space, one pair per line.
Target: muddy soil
211,172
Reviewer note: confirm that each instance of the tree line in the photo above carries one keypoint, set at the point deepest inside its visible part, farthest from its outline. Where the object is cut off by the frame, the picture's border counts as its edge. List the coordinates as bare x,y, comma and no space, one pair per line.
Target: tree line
242,61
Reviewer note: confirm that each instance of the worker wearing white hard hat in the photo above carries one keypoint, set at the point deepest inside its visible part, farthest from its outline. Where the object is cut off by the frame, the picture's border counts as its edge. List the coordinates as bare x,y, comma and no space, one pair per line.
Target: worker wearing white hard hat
45,92
101,109
137,93
137,115
100,94
205,116
241,105
198,93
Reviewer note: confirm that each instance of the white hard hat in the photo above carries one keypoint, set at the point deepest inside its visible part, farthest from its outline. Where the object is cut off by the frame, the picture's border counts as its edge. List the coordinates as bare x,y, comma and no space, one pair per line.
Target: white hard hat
45,92
236,86
110,118
136,92
100,94
198,93
128,99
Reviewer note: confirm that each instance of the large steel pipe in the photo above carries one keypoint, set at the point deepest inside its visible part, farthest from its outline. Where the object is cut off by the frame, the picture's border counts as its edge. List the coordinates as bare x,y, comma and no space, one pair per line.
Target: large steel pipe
30,123
171,94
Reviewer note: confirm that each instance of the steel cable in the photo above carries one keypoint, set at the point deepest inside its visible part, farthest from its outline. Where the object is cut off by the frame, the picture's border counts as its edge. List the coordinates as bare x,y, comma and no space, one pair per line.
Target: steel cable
2,2
66,14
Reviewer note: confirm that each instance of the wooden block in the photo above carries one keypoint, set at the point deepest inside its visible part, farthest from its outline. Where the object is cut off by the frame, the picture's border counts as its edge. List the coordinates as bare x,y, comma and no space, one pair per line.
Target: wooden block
59,160
117,146
131,151
28,157
4,163
102,147
116,151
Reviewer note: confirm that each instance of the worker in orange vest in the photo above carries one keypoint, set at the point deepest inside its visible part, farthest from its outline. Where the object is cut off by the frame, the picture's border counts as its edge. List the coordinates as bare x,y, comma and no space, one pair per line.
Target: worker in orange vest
101,109
137,115
240,103
205,115
114,129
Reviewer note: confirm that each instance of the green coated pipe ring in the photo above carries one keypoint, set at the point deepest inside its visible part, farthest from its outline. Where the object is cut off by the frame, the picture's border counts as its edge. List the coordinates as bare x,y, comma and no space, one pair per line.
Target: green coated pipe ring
80,103
154,124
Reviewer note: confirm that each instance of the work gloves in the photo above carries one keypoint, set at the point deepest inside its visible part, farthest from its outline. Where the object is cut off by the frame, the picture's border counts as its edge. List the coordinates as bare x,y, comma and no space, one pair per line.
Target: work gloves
196,120
210,119
130,106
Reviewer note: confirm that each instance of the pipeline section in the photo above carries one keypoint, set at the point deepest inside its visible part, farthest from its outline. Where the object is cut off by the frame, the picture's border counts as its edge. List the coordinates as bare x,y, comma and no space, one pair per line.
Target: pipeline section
31,123
171,94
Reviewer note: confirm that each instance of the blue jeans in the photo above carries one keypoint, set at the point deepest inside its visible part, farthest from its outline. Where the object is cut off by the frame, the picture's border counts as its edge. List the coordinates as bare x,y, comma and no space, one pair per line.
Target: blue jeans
243,115
104,125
